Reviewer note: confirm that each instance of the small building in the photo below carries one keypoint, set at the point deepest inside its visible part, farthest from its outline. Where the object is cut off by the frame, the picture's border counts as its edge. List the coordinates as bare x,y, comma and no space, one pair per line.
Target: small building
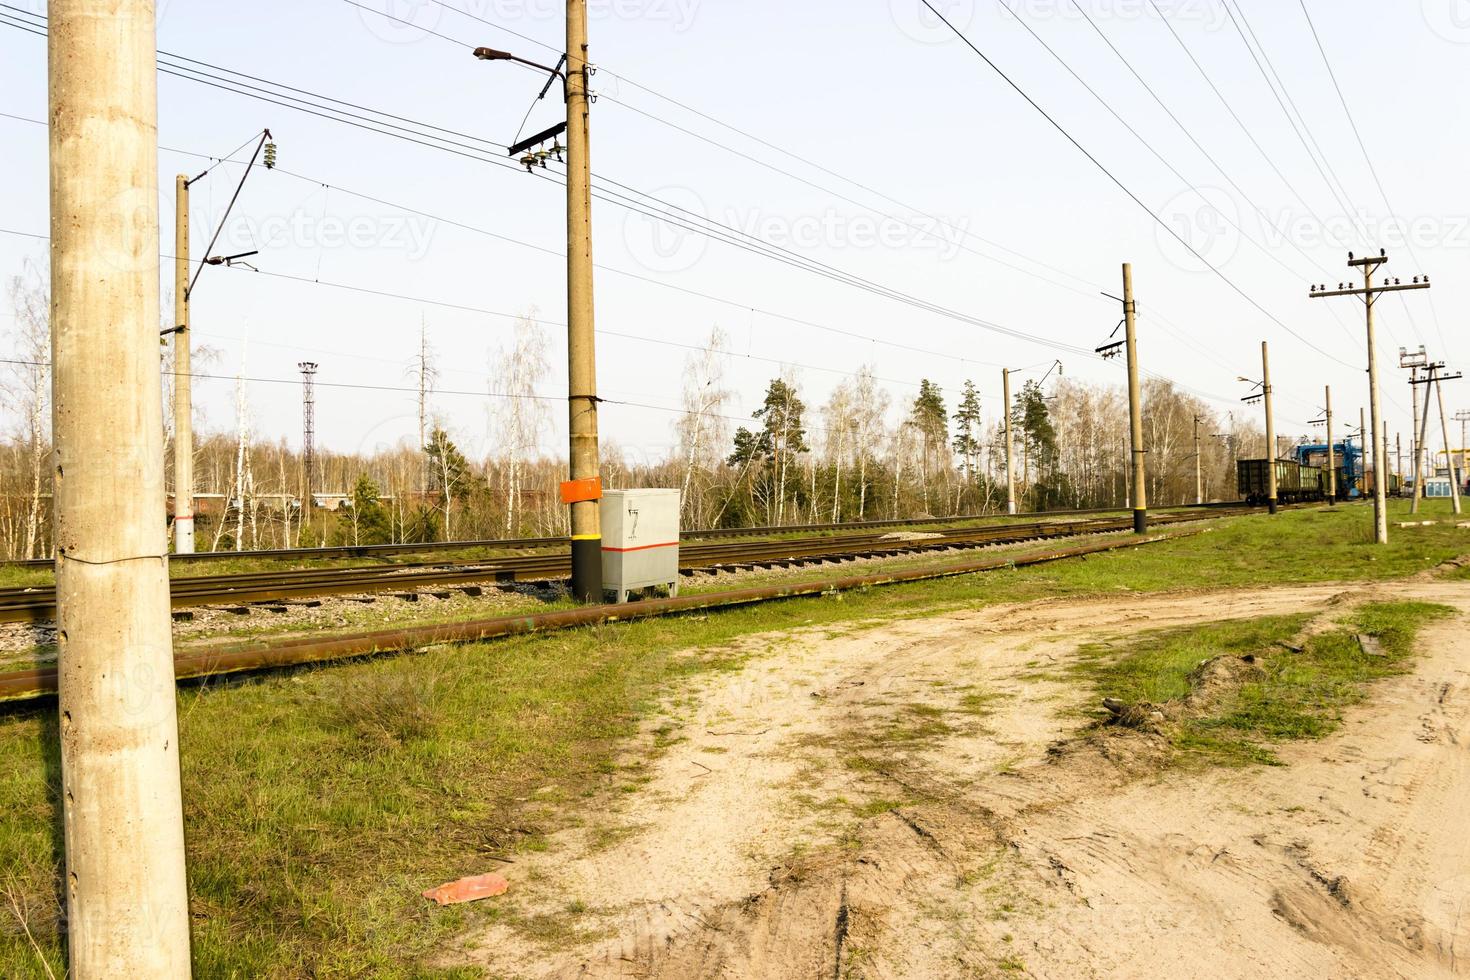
1438,486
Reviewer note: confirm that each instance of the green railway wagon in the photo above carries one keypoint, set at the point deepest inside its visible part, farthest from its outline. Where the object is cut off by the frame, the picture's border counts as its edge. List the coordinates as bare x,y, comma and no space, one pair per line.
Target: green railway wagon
1295,483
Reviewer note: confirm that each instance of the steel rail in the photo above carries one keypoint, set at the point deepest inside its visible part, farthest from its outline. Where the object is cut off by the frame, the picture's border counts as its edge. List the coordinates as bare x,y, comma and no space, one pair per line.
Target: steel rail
40,682
516,544
38,603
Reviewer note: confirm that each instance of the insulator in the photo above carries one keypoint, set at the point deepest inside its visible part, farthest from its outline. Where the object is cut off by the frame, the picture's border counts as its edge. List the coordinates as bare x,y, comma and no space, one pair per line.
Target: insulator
270,156
528,161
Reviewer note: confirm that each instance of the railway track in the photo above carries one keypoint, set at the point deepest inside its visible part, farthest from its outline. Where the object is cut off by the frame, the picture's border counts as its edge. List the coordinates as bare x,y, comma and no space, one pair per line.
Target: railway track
281,588
525,544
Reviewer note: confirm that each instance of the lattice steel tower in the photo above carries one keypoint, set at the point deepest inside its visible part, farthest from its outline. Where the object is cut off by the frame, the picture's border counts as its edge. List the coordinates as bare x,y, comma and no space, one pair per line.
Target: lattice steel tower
308,433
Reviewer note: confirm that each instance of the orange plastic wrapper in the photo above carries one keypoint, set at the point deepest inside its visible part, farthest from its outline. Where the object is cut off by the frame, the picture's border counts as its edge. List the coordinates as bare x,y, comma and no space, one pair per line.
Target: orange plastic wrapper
470,889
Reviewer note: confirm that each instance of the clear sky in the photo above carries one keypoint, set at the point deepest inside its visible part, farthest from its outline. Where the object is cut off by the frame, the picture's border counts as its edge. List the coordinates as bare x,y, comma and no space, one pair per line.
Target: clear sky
893,123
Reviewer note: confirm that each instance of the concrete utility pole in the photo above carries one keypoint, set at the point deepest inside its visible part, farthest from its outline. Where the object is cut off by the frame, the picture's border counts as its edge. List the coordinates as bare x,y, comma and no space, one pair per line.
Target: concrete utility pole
1462,417
1199,478
584,490
1331,456
126,894
1383,445
1270,430
183,382
1413,361
1398,455
1135,405
1005,381
1363,443
1369,294
1444,428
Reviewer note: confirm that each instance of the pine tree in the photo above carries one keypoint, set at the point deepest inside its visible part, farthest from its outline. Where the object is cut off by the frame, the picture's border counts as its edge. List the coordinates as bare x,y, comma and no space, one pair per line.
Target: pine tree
931,420
967,428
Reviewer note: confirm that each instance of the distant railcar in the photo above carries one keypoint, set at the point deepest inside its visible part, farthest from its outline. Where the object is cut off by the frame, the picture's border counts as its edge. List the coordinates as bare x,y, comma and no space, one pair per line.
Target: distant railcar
1295,482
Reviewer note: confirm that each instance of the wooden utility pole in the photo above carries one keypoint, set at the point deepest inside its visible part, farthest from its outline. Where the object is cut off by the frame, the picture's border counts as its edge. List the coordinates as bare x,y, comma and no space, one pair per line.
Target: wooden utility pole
1135,405
1270,430
1199,477
1005,381
126,894
1369,294
1331,456
183,382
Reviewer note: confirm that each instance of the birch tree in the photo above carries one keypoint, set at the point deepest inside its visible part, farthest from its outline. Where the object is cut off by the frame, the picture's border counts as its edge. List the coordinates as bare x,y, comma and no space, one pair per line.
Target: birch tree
701,428
521,415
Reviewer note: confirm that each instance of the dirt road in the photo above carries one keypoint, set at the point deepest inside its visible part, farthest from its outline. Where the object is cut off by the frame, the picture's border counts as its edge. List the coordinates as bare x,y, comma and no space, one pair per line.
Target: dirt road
910,801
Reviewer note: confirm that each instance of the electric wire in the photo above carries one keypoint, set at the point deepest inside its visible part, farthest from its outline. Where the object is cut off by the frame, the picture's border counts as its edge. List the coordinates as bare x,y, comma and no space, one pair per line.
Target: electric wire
1260,211
1160,221
1357,134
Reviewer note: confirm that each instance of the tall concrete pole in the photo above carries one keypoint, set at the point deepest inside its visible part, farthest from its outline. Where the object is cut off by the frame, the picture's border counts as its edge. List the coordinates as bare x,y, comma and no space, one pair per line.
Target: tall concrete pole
126,895
1398,453
584,489
1380,487
1135,406
1364,441
1449,453
1005,381
1270,430
183,383
1331,456
1421,442
1382,448
1415,446
1199,477
1462,417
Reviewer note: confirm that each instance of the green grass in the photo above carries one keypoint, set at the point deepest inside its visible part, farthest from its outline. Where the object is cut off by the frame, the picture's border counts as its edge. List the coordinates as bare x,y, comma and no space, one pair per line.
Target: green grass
319,803
1292,695
1155,667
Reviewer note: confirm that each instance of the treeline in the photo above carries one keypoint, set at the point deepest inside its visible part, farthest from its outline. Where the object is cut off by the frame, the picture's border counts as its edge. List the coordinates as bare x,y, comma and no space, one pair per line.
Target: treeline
863,454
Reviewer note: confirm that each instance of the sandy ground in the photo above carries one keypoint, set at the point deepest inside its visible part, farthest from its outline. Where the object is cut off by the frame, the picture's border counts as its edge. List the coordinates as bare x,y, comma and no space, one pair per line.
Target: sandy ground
909,801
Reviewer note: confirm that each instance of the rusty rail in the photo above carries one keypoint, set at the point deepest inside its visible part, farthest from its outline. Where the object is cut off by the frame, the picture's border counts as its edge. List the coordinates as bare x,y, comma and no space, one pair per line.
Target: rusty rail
39,682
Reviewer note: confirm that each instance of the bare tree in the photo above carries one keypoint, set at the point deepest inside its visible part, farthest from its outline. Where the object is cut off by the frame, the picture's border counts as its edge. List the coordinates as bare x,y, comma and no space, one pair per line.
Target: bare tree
521,416
30,297
701,428
870,405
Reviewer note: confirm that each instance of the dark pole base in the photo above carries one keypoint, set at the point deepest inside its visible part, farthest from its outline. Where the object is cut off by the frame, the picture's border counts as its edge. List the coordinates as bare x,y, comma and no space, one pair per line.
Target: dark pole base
1271,506
1140,522
587,570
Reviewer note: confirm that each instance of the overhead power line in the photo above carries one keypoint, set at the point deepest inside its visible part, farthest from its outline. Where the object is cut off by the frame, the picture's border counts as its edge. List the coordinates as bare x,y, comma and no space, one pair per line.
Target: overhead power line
714,230
1124,188
1107,105
1383,193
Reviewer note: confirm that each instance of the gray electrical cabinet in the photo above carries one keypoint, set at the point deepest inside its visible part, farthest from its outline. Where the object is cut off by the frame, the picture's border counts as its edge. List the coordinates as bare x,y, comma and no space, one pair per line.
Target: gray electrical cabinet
640,540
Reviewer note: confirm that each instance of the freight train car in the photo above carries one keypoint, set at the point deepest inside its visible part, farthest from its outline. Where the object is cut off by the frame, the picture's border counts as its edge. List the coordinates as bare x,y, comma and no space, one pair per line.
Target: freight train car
1348,459
1295,482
